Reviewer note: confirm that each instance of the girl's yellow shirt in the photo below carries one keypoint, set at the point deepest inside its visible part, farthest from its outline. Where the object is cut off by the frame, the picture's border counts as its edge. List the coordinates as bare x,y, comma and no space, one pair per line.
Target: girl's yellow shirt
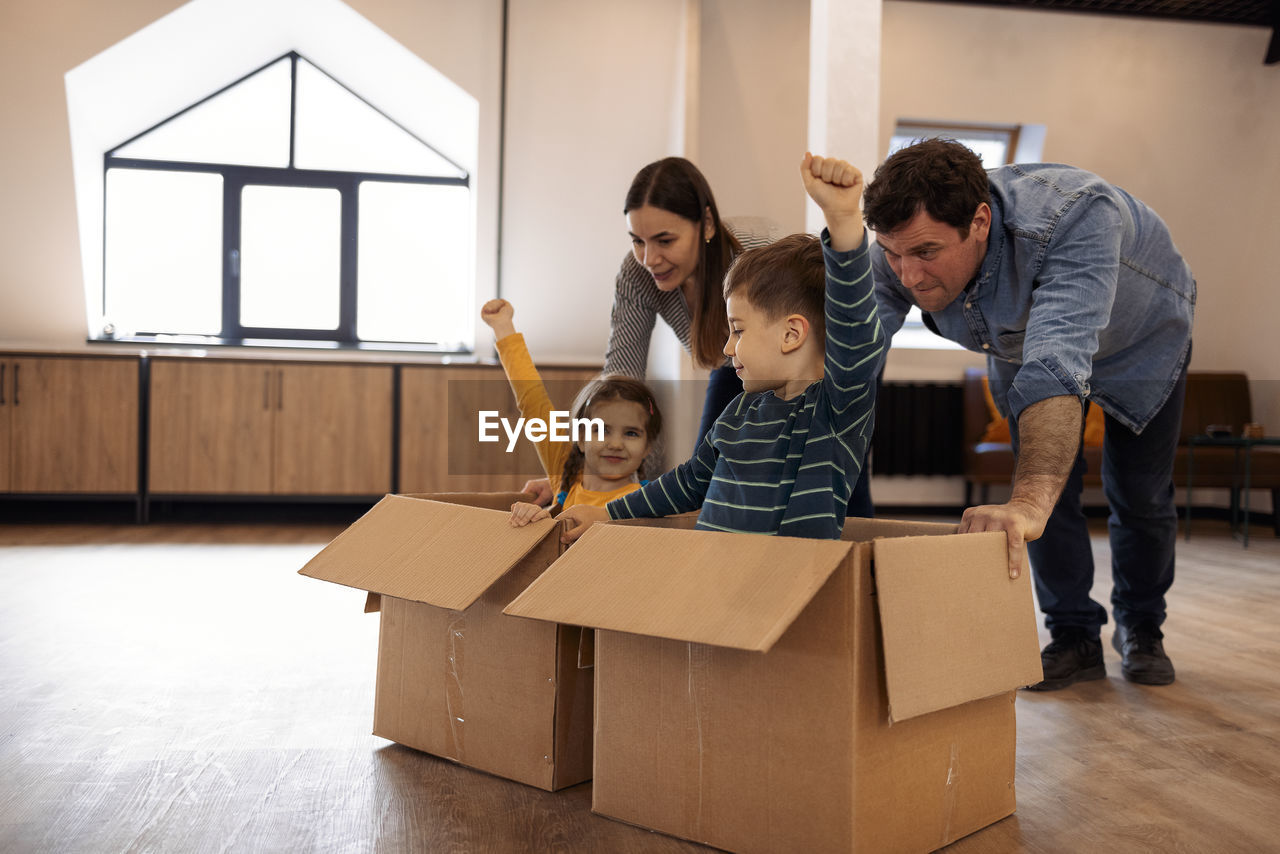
534,402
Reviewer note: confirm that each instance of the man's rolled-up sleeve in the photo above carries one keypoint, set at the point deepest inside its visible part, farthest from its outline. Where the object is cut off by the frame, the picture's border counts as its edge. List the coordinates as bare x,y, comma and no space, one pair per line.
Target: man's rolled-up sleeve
1072,296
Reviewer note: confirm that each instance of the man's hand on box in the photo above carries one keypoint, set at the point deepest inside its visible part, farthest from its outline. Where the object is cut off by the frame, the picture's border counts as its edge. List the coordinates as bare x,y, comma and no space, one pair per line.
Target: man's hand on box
580,517
1050,432
1020,523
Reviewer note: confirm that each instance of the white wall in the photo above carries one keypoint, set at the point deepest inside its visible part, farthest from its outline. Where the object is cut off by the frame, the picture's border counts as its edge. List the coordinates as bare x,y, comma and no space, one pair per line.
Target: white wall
753,106
596,91
1183,115
591,97
41,293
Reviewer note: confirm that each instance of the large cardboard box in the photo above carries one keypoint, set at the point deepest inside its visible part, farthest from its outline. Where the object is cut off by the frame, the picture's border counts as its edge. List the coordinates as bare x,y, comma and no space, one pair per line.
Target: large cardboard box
780,694
456,678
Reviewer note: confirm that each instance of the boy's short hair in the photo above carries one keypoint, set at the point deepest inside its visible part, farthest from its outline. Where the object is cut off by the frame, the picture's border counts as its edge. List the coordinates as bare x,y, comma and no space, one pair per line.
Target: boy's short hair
785,277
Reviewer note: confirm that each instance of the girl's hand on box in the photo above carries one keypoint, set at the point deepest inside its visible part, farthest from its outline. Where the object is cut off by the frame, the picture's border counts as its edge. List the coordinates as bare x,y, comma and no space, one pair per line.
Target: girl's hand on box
522,513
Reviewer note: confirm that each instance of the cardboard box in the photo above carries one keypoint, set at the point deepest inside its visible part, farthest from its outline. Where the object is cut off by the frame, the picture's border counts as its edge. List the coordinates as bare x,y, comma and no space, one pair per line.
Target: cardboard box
780,694
456,678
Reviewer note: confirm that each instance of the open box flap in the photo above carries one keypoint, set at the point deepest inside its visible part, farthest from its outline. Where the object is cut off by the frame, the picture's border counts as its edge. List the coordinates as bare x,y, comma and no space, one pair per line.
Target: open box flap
955,626
439,553
863,530
734,590
487,500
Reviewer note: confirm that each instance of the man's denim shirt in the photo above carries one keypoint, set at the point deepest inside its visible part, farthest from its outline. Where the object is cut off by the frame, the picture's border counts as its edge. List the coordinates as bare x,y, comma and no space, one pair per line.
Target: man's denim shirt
1082,292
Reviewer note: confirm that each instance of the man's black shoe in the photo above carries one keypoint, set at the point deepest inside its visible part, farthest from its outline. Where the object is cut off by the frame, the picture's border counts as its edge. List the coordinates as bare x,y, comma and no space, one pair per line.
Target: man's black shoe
1142,654
1074,655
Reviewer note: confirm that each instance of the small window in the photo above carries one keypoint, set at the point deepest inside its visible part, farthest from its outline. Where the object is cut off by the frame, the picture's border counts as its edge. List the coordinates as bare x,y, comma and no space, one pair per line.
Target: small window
284,208
995,144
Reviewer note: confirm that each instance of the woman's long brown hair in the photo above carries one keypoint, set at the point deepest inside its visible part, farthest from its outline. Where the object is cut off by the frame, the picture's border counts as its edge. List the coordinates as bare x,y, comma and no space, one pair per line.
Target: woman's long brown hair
675,185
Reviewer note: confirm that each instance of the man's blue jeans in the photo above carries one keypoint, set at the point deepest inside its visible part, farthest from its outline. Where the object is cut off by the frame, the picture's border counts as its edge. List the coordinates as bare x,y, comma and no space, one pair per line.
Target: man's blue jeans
1137,479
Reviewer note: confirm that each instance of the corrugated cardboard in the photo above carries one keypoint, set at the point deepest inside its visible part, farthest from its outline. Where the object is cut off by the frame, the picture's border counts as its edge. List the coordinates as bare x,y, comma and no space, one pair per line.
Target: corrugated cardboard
757,717
456,678
947,633
715,597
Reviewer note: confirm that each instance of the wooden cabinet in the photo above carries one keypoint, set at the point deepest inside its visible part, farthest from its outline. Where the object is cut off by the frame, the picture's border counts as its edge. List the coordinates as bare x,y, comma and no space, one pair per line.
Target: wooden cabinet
73,424
333,430
68,425
264,428
440,449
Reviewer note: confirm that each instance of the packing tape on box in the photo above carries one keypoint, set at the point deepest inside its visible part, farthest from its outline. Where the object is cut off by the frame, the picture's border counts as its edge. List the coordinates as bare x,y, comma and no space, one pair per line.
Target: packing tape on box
453,689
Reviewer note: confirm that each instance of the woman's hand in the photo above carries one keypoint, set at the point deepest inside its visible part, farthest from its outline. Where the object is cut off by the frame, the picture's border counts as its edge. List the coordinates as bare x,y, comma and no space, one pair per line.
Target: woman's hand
581,517
522,513
540,489
836,187
497,313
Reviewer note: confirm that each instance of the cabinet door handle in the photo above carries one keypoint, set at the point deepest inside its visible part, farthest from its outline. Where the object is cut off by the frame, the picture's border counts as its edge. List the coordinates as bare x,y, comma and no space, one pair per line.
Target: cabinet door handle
2,367
15,384
266,389
280,389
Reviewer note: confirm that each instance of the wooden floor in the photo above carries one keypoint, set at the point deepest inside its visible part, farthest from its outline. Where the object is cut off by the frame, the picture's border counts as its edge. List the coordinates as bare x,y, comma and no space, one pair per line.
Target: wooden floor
179,688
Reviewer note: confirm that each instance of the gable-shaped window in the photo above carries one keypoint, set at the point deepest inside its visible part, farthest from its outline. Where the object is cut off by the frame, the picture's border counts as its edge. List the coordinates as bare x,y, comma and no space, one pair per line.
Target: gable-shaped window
286,208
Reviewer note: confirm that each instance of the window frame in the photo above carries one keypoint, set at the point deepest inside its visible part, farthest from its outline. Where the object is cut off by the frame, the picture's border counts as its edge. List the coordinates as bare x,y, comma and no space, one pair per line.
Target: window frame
235,177
959,130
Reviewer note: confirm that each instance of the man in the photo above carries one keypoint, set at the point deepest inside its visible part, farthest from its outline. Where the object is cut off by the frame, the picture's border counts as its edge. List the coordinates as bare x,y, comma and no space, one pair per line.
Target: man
1076,293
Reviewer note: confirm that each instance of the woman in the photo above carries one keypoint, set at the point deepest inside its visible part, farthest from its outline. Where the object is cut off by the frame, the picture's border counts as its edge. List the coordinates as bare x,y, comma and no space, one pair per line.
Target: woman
680,251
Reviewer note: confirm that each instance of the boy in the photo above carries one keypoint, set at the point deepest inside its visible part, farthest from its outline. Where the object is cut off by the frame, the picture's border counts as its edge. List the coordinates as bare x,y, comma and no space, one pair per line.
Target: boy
783,456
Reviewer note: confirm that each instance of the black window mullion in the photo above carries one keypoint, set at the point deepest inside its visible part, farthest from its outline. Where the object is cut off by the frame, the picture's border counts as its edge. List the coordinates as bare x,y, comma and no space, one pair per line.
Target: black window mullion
293,105
283,177
349,255
232,191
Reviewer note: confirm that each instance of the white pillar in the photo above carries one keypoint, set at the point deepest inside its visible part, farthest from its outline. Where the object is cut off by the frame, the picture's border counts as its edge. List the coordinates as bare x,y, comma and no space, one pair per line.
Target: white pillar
844,85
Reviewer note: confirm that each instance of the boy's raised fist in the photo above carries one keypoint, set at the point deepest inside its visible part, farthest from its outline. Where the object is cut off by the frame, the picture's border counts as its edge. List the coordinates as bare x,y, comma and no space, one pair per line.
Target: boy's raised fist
836,187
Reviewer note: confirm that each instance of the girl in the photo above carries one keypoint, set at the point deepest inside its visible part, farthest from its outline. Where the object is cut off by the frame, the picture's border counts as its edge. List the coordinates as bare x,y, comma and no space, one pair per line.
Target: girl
599,468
